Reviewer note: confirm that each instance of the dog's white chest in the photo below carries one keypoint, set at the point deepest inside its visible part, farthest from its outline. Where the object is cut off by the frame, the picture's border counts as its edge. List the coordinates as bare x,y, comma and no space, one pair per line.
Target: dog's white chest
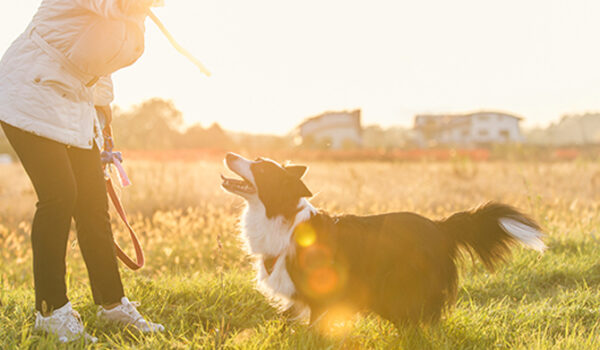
271,237
278,282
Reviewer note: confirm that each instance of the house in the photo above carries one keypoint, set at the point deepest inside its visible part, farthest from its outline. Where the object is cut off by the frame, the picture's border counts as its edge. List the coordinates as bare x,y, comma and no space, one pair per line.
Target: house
332,130
471,129
571,130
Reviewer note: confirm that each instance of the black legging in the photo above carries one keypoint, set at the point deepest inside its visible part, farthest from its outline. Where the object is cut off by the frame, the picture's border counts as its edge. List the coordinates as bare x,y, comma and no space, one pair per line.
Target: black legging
69,183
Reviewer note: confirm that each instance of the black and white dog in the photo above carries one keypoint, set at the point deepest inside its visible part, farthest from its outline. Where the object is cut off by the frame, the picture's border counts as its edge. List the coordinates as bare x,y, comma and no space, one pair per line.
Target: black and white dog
399,265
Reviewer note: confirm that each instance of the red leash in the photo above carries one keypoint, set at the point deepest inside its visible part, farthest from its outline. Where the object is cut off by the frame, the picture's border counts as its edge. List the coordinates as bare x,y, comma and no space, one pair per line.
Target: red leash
109,157
139,253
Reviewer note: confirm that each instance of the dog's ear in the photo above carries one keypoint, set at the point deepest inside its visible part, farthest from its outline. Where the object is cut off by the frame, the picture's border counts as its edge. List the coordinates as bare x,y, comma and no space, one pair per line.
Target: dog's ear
301,189
296,170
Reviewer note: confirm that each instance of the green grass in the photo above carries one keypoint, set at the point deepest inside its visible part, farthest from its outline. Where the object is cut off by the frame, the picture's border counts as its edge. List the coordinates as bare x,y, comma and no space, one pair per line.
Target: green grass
198,281
533,303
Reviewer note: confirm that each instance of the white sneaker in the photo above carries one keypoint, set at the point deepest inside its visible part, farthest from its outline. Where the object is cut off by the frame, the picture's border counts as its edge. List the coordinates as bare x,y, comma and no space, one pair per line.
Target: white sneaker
126,314
65,323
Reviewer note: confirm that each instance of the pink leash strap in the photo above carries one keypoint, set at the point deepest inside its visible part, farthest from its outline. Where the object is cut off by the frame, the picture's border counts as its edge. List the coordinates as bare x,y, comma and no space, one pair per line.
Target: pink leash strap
122,174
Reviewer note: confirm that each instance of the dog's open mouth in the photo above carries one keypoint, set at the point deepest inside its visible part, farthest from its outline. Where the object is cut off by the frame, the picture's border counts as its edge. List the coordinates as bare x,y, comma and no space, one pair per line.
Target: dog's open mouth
235,185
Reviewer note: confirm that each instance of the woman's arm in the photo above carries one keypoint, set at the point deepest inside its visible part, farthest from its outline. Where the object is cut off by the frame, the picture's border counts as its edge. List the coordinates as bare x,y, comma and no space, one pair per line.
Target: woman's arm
103,91
103,97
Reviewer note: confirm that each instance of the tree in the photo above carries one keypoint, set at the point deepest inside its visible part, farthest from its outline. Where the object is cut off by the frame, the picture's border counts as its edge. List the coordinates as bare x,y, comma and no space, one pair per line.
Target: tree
198,137
154,124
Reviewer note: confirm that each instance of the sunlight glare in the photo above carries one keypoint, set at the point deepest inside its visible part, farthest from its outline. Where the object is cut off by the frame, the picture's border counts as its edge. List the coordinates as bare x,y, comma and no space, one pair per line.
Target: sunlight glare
305,235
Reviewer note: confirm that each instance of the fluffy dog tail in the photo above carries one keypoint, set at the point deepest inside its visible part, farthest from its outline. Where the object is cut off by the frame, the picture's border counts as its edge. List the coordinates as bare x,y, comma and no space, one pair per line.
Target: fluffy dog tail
490,230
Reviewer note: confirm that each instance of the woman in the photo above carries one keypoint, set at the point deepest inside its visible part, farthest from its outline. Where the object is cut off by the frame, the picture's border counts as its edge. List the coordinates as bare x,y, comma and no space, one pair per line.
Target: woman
52,80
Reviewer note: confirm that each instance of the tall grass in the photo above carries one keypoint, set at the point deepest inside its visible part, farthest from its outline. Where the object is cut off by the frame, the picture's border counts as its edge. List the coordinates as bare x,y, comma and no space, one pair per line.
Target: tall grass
198,281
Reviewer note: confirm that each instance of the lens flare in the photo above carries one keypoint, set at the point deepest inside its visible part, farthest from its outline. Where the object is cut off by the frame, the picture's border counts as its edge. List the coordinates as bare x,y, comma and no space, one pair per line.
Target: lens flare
323,281
305,235
337,321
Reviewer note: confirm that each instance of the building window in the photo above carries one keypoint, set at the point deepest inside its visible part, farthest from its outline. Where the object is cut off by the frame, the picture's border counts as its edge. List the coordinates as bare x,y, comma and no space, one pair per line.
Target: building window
483,133
504,134
483,117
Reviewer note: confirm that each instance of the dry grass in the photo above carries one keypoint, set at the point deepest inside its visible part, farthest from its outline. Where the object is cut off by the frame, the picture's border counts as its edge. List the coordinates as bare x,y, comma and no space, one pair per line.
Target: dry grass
198,280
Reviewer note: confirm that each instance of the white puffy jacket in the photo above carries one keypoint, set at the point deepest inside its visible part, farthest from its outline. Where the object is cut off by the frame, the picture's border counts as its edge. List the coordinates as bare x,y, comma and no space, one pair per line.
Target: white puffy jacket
59,68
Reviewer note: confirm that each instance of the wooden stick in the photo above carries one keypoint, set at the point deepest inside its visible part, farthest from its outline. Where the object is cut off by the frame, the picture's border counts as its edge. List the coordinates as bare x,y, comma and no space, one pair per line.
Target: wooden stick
176,45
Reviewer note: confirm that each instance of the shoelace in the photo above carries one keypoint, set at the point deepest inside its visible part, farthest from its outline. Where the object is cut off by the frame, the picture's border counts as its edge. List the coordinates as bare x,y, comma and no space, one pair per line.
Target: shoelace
131,310
72,322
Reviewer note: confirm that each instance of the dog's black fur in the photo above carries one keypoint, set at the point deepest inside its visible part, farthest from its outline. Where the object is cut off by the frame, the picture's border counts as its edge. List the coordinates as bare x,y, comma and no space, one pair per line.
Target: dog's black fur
400,265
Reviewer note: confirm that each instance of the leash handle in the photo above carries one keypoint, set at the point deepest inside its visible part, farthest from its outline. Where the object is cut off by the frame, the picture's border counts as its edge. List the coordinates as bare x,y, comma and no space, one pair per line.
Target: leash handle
139,252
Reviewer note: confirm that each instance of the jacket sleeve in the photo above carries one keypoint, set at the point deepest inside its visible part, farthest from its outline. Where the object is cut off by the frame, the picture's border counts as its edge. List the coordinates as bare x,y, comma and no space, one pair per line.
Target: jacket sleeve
116,8
103,91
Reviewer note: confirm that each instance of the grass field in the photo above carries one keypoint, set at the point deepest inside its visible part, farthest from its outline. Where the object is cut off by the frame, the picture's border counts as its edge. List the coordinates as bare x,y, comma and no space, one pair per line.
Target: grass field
198,281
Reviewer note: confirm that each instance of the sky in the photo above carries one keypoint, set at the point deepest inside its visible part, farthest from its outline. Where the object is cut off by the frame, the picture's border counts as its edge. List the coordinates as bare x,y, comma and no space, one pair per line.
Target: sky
277,62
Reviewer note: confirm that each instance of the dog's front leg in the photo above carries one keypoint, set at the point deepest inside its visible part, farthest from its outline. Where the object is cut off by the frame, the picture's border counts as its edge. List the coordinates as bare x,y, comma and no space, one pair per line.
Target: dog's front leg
297,312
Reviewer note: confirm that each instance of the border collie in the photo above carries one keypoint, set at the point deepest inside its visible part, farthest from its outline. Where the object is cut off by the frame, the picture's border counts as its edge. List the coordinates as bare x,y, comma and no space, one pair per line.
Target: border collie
401,266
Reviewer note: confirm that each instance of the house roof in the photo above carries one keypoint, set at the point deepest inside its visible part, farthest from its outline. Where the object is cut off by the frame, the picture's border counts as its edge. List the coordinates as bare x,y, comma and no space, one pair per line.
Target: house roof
447,119
480,112
354,113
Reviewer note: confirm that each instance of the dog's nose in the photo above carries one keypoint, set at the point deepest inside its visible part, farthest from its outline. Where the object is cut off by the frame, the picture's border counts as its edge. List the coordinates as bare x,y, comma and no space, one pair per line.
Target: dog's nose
230,157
